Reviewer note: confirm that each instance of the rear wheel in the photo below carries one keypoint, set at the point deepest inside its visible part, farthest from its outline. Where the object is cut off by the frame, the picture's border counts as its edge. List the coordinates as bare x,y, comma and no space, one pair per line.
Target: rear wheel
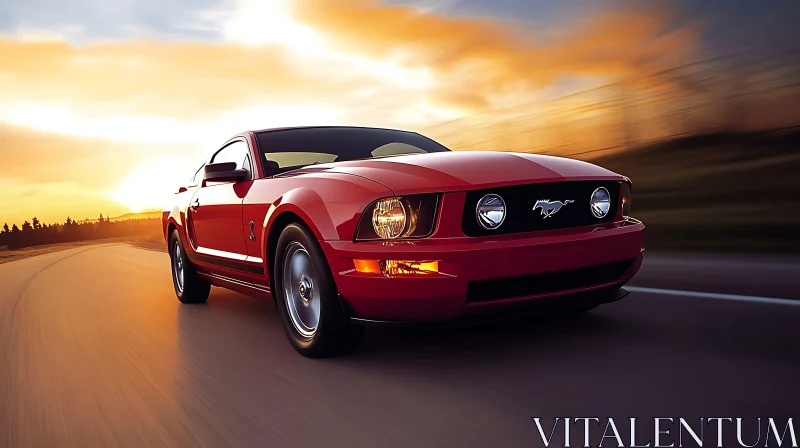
311,313
189,287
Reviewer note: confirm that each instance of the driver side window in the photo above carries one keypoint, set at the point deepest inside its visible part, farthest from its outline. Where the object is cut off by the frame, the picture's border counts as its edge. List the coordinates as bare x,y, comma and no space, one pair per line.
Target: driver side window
237,152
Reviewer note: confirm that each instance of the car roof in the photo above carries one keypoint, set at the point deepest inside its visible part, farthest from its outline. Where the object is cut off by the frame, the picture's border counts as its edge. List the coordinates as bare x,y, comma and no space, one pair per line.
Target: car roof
324,127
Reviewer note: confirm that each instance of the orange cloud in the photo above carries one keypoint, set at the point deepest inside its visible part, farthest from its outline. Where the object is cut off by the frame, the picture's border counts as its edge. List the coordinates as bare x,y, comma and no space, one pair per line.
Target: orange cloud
182,79
485,57
472,61
41,157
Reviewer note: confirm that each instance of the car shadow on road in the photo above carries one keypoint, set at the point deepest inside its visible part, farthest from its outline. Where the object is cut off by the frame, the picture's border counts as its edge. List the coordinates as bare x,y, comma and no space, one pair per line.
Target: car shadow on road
511,336
689,325
245,321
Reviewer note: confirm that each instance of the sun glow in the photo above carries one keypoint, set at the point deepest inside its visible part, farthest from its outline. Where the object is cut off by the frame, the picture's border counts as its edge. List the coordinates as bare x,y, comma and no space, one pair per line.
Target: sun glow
256,22
272,22
153,129
150,187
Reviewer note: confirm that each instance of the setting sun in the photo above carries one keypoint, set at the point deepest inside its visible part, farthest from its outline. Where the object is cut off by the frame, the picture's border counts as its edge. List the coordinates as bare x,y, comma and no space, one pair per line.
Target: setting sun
149,187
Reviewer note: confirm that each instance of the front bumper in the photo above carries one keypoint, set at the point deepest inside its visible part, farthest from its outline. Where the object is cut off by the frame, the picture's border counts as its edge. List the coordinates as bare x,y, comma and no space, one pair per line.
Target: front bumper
464,261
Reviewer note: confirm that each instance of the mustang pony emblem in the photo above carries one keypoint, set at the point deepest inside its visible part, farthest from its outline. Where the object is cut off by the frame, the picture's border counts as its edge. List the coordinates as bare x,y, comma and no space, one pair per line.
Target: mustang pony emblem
550,208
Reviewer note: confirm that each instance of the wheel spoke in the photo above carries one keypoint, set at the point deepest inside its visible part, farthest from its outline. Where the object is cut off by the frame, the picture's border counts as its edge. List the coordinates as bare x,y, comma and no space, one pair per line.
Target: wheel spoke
303,299
177,267
298,268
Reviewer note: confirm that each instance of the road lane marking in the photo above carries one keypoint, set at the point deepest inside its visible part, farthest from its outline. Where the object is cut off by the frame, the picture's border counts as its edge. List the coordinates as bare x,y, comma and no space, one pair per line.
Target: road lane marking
712,295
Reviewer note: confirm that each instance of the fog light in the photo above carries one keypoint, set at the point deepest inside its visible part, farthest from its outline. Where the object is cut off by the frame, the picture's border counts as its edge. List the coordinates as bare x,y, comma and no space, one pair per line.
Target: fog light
600,203
491,211
396,267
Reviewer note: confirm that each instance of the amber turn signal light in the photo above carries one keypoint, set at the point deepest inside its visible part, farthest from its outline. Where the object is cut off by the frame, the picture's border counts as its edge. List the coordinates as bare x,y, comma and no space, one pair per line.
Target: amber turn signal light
396,267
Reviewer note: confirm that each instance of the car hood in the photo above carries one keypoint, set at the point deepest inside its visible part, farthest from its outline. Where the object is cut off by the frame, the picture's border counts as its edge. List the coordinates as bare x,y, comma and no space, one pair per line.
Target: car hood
470,170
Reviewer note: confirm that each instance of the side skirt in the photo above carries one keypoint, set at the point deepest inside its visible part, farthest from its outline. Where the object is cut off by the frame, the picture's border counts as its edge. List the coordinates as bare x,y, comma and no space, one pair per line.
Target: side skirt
250,289
227,263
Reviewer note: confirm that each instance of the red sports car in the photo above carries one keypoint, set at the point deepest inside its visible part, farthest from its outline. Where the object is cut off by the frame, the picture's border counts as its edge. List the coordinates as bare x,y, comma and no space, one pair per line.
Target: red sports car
345,226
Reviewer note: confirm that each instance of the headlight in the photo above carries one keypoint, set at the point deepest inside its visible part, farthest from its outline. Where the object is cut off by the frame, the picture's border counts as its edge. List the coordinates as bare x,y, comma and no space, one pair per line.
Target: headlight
600,203
398,217
491,211
389,218
626,199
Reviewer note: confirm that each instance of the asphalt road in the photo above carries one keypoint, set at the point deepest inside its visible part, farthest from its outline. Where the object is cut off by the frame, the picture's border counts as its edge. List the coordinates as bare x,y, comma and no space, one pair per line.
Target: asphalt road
96,351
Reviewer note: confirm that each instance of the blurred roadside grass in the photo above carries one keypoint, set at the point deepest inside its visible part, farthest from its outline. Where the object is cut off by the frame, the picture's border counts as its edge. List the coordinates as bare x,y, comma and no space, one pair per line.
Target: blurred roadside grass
717,192
153,242
7,255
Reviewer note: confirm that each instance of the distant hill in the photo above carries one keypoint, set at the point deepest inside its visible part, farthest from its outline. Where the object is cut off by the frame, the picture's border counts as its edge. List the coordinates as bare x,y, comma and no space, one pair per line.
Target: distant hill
142,215
128,216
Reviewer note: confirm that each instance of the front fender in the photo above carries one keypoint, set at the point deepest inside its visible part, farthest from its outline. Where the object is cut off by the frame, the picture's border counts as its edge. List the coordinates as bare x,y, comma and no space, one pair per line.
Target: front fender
329,204
309,206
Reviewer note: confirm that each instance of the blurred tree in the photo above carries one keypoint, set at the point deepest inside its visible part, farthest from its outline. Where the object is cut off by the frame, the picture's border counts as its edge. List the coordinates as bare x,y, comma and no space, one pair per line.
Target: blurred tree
102,227
35,232
25,237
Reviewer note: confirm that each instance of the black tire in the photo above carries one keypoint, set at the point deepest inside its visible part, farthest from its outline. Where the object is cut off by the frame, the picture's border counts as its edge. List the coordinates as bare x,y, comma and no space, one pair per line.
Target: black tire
194,289
334,334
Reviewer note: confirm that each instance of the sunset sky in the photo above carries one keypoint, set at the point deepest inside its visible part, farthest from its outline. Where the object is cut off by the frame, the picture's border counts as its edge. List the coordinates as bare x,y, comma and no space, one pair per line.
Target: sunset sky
105,107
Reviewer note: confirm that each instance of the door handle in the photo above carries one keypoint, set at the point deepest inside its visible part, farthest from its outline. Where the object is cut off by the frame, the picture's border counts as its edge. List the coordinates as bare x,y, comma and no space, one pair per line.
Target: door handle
195,204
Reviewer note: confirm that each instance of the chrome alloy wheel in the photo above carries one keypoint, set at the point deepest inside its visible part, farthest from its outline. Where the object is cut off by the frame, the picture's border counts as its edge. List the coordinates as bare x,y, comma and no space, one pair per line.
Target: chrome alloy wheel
177,266
301,294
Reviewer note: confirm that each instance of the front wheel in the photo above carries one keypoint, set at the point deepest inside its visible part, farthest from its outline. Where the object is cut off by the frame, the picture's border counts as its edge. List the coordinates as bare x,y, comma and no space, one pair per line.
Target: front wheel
189,287
311,313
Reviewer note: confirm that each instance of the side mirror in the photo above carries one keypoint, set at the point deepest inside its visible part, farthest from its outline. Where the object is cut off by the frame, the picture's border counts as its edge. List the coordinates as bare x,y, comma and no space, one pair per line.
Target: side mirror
224,172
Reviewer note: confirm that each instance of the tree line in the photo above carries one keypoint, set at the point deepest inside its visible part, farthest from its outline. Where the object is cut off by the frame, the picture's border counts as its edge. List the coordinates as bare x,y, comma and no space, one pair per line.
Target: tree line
35,233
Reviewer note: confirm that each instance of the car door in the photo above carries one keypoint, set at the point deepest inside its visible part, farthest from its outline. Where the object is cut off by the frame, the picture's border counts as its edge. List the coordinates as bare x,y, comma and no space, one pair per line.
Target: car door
215,215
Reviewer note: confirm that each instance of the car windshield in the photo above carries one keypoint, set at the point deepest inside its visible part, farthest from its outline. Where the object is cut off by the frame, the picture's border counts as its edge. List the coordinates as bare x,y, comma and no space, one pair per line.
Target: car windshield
289,149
